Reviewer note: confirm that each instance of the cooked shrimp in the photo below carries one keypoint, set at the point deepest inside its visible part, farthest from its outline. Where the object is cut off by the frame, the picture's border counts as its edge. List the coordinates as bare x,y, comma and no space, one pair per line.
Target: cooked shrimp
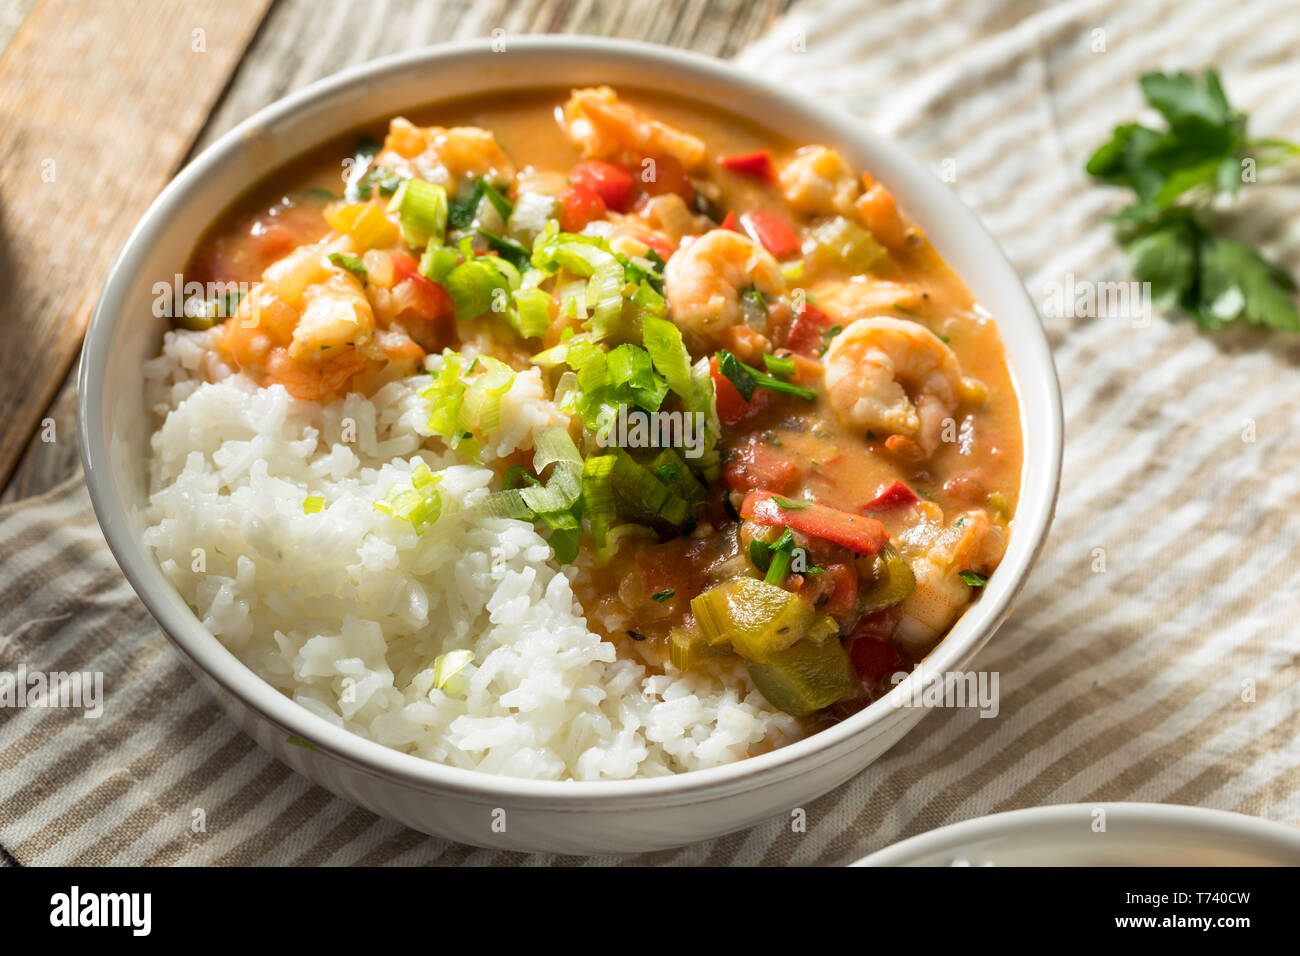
818,182
877,212
893,377
704,282
445,156
307,325
863,296
661,224
971,543
601,125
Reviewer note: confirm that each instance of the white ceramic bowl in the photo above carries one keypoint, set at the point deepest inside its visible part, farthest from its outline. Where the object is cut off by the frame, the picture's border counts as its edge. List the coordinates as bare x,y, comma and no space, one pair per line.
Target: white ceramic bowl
1134,834
615,816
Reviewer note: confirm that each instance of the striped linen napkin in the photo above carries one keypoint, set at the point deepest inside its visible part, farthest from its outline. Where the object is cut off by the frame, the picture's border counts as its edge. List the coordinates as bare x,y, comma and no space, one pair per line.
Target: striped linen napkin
1154,654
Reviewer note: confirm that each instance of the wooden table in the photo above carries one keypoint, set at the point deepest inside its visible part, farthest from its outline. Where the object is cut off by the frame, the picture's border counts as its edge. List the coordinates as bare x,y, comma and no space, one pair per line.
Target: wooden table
256,51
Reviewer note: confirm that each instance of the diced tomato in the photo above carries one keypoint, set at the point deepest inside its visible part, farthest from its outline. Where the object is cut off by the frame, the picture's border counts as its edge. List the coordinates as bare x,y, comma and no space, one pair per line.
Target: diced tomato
856,532
808,331
756,464
580,205
844,590
729,222
731,405
896,495
874,659
431,299
773,232
757,165
666,175
879,626
613,184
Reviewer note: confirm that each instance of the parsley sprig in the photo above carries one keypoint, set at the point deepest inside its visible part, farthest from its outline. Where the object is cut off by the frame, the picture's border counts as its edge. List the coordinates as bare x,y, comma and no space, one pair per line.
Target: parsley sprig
1175,174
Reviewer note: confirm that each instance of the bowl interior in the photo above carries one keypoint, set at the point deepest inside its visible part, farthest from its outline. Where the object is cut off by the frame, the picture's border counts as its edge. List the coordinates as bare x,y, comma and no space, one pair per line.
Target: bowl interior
125,331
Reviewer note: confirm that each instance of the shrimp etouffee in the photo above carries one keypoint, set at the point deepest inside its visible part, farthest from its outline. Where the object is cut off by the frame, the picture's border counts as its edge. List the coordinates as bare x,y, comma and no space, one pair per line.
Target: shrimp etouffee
784,438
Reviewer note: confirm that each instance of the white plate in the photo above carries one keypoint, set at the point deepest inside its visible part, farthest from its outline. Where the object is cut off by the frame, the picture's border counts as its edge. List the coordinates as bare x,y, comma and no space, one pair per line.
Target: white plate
1101,834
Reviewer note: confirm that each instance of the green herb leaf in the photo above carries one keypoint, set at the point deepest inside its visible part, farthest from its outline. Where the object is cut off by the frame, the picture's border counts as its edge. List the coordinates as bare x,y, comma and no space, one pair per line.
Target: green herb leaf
1169,231
350,262
662,596
974,579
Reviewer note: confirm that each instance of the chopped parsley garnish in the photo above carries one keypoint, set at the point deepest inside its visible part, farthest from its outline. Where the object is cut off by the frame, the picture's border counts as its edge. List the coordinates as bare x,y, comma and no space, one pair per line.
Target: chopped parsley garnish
789,504
353,264
833,331
974,579
1176,173
746,378
662,596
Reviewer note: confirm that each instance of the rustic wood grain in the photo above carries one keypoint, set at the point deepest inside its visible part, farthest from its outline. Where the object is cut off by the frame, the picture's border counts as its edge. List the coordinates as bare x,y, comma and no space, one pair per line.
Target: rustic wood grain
303,40
99,102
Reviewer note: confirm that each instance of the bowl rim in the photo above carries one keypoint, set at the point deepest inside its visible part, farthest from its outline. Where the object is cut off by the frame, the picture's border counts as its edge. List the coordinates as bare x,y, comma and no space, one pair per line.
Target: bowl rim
1033,516
958,837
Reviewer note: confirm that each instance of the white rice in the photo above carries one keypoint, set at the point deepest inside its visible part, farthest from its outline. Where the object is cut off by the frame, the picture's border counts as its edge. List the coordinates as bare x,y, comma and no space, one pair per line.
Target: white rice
346,610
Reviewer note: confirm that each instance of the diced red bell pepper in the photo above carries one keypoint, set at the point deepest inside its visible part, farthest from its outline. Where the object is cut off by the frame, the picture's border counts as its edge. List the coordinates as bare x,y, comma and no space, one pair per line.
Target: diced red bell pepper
580,205
808,331
757,165
613,184
729,222
431,299
895,496
755,464
773,232
873,659
731,405
856,532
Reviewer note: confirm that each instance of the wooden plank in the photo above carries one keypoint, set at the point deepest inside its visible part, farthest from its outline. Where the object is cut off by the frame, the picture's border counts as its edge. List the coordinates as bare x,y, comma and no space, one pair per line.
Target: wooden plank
99,102
281,59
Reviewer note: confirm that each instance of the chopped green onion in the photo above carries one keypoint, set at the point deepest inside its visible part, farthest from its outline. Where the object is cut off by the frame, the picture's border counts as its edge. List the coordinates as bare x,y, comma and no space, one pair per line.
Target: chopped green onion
974,579
421,505
421,209
438,262
473,287
532,313
448,666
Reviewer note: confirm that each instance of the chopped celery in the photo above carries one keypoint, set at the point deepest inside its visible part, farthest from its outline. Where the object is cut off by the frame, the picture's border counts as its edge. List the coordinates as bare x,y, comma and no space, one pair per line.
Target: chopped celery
894,581
805,677
758,619
841,243
421,209
687,646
